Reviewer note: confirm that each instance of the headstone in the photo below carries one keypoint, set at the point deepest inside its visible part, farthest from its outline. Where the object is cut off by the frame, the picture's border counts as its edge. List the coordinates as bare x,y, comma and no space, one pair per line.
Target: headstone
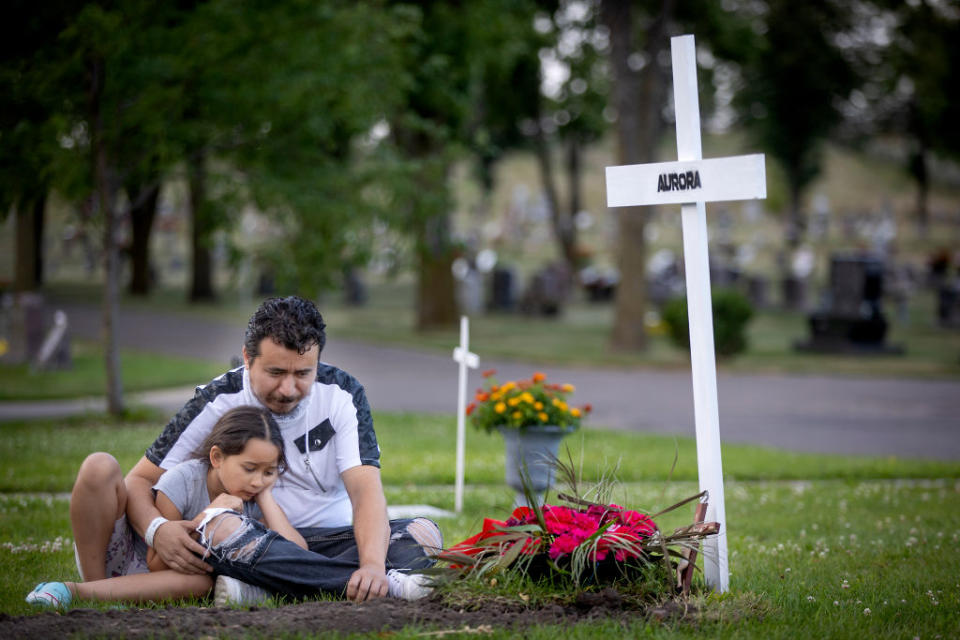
54,353
948,301
692,182
851,317
354,289
502,295
25,326
547,292
469,286
599,284
795,282
758,292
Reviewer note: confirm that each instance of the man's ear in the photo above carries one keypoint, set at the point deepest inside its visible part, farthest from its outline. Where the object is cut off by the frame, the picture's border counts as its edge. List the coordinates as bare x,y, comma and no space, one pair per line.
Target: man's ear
216,456
246,359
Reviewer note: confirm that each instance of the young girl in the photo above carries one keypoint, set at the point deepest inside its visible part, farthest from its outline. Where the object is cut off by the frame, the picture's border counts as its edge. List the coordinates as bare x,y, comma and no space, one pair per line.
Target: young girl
235,468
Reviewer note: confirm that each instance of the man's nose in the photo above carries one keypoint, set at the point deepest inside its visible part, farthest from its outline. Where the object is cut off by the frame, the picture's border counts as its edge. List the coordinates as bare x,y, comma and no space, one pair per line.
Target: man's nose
288,386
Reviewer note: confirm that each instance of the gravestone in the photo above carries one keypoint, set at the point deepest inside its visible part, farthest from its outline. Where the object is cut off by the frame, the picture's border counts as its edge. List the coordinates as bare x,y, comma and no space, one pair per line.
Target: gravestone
547,291
54,353
354,288
25,324
851,317
502,293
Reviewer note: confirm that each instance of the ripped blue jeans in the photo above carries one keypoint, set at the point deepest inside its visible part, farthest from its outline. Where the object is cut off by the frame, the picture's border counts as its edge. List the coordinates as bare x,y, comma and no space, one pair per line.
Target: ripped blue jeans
257,555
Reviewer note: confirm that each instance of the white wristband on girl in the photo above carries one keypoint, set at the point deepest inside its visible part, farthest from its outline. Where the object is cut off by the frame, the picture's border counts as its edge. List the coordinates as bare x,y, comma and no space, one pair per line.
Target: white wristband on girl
152,529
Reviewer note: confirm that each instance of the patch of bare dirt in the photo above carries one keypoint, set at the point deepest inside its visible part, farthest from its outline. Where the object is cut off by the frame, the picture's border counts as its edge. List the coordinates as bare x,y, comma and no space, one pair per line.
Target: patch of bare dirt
317,617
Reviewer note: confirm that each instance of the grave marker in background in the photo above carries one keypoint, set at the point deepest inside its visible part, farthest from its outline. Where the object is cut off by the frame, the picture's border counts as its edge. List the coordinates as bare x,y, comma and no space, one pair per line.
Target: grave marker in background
691,182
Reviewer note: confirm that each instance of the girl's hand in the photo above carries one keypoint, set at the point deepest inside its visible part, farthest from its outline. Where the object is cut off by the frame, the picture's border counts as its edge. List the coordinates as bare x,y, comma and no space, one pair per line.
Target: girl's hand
227,501
264,497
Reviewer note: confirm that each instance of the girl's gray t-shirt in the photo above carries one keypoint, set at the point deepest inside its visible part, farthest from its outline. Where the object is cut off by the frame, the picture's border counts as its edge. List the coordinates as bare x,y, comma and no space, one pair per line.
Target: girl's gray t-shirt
186,486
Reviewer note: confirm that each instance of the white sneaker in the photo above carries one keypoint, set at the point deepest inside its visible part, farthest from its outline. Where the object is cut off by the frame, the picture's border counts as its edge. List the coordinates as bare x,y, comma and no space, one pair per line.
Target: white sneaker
230,591
408,586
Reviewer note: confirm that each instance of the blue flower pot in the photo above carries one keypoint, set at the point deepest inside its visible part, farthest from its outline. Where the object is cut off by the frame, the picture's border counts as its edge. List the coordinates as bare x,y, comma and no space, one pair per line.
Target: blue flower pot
530,451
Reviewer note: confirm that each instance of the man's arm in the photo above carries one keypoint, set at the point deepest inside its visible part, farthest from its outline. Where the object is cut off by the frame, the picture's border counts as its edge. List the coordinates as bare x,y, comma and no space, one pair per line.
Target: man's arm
371,528
172,540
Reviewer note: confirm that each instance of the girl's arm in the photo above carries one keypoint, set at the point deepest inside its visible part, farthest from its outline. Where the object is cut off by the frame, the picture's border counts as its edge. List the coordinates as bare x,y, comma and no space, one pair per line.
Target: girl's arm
276,519
170,512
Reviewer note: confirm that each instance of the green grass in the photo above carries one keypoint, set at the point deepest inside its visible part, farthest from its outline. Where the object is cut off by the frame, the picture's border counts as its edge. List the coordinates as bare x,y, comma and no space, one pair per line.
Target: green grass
418,452
140,371
799,525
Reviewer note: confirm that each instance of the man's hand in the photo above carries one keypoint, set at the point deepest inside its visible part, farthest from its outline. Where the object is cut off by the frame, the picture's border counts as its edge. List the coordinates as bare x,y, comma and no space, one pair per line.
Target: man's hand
367,583
177,549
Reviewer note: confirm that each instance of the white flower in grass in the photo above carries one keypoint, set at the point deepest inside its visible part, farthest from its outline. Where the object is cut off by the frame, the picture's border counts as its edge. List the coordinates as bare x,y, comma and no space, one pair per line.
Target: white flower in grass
866,611
810,598
836,603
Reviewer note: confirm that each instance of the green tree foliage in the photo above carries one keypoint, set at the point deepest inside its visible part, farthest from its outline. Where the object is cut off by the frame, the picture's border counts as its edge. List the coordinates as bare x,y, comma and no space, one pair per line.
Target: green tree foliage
793,79
910,91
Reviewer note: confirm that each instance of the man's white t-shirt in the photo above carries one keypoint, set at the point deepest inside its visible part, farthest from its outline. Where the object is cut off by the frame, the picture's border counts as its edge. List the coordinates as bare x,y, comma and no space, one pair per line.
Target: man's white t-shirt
331,428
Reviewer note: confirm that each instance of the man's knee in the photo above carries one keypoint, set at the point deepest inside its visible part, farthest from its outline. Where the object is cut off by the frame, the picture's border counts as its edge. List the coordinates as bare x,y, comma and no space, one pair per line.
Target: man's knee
98,472
427,534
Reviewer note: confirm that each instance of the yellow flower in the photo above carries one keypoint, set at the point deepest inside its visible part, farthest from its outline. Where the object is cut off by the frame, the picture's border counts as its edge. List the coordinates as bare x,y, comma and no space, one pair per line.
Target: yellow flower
516,415
513,401
543,417
527,397
538,406
562,406
555,402
568,388
496,395
508,386
575,412
500,407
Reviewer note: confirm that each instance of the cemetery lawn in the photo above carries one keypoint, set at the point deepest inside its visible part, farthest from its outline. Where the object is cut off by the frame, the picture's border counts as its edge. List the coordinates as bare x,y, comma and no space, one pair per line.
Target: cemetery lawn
820,546
141,371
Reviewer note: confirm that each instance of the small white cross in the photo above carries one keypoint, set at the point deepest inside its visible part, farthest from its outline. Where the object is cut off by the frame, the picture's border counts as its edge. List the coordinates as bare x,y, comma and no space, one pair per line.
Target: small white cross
466,359
692,182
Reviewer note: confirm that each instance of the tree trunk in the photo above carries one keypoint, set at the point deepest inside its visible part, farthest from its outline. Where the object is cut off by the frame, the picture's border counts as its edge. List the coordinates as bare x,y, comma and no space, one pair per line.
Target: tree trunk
143,211
638,98
561,221
111,260
201,287
796,221
28,270
436,292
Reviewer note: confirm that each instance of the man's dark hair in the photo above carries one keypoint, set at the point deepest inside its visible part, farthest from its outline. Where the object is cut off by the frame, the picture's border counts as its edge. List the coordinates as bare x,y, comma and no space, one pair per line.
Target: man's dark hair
291,322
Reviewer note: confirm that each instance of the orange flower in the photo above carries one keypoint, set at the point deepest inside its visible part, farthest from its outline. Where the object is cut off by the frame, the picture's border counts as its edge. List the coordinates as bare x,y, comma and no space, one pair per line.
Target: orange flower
471,407
575,412
587,408
539,377
543,417
488,373
482,396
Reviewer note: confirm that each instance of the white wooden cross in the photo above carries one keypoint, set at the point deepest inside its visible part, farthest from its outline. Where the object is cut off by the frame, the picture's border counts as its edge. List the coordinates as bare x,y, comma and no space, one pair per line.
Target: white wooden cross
691,182
466,359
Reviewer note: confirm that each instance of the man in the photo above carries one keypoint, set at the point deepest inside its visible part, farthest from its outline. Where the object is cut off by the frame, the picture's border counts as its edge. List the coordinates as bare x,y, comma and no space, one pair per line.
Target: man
331,491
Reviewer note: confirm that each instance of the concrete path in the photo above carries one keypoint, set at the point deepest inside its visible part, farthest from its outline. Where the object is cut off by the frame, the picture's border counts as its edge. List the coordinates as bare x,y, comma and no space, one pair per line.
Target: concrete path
905,418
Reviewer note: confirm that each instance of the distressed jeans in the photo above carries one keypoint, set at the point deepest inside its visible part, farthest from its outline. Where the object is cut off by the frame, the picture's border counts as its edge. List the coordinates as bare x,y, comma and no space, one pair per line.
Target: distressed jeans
260,556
